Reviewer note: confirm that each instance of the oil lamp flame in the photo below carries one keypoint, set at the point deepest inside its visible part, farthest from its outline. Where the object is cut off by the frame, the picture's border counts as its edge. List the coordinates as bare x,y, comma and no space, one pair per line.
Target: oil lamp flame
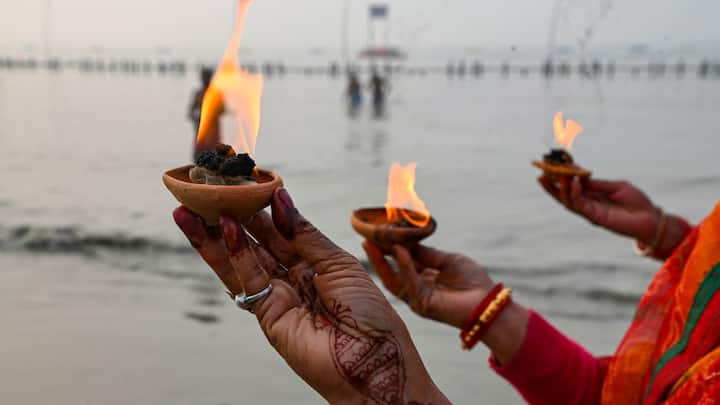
403,202
237,88
565,133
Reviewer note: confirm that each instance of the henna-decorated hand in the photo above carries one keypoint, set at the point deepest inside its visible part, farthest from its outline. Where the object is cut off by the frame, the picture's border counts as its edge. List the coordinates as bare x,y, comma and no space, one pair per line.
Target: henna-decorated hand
620,207
324,316
438,285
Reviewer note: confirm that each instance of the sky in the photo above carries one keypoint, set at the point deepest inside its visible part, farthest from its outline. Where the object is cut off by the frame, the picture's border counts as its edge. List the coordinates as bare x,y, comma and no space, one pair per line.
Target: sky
283,24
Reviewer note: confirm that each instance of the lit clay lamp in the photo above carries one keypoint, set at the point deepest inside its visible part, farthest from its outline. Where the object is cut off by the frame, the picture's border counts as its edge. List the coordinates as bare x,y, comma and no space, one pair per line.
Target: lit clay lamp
223,182
404,220
558,164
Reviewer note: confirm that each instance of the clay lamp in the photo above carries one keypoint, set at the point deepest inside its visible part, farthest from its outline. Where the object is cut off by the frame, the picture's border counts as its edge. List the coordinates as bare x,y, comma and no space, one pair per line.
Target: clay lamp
559,164
223,182
404,219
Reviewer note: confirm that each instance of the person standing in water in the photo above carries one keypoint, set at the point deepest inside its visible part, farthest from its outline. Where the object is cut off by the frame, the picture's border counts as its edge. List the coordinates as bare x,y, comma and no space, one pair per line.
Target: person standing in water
379,87
195,112
353,94
354,90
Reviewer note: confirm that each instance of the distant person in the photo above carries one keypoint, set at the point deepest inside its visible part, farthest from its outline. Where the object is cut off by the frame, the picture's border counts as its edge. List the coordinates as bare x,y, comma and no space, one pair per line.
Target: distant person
354,95
379,88
206,75
195,112
354,90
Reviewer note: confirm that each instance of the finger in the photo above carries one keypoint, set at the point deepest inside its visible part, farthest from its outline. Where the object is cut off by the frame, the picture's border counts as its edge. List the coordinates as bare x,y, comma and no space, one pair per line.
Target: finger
209,243
565,191
252,276
431,257
550,188
309,243
407,272
604,186
268,262
576,195
261,227
383,269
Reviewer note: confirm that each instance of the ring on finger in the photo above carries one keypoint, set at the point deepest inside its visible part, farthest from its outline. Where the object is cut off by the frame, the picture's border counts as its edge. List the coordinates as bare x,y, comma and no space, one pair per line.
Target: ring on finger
246,302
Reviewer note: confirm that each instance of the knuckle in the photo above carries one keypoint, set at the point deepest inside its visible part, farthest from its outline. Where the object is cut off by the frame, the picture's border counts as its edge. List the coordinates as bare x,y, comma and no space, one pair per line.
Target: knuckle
338,260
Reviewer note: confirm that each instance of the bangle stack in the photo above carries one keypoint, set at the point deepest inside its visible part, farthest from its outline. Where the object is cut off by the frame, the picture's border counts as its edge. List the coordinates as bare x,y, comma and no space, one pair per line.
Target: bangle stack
484,315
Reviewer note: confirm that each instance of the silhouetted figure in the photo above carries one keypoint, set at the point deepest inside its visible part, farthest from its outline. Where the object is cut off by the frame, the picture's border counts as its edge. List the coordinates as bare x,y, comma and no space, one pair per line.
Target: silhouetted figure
505,69
704,69
680,68
379,88
462,68
548,69
610,68
194,113
450,69
478,69
354,91
353,95
565,69
334,69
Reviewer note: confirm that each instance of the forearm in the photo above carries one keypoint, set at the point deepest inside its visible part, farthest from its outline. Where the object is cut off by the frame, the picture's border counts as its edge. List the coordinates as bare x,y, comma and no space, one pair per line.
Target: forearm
547,367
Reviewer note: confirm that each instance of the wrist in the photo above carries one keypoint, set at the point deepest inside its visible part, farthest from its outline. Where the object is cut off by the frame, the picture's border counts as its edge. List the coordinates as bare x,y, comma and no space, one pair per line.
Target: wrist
416,392
677,229
506,335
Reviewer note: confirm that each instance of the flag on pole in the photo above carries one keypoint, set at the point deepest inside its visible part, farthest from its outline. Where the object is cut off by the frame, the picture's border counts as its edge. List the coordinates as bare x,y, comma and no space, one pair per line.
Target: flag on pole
378,11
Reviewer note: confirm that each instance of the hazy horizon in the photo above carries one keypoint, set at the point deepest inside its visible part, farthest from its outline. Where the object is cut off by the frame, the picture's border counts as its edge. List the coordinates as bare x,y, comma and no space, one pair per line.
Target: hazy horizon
183,26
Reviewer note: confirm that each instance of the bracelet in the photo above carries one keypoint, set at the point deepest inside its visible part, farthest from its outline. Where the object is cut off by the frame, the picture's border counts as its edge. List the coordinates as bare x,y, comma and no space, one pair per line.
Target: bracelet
484,315
659,234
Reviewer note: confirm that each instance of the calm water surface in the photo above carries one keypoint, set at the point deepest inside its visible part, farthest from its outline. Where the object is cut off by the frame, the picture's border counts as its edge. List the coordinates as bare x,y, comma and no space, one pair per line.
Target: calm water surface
82,157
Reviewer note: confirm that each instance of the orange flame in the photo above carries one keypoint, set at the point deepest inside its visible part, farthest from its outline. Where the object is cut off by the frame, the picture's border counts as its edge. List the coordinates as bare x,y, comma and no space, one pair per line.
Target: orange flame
241,90
402,200
565,133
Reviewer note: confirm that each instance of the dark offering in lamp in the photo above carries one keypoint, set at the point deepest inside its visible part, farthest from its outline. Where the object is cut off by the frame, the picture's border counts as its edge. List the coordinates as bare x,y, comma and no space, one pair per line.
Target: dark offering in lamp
231,186
559,163
404,220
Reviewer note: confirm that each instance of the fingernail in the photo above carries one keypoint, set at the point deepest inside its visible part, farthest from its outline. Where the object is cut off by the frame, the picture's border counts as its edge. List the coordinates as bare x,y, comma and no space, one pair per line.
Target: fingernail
234,235
284,214
191,226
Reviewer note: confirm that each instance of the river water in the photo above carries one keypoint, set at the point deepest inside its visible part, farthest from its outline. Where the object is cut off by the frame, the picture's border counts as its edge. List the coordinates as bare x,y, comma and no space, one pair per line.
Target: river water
82,157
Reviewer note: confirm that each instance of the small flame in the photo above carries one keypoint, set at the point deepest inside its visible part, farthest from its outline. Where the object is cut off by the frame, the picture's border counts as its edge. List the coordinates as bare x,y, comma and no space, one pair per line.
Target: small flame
402,200
236,87
565,133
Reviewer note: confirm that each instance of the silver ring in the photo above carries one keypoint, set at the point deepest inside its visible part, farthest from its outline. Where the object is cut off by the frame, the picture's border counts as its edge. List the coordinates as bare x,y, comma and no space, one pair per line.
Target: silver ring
246,302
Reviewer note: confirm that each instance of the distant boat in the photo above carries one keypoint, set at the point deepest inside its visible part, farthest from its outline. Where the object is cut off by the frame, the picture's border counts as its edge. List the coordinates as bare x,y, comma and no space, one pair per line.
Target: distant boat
383,53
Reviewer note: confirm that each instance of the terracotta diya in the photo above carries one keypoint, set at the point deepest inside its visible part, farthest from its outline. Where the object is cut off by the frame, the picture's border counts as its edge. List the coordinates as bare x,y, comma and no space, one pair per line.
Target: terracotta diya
223,182
404,220
559,163
212,193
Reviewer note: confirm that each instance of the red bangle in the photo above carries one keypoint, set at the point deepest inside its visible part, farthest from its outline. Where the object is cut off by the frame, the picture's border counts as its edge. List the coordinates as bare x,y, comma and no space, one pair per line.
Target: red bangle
472,319
484,315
